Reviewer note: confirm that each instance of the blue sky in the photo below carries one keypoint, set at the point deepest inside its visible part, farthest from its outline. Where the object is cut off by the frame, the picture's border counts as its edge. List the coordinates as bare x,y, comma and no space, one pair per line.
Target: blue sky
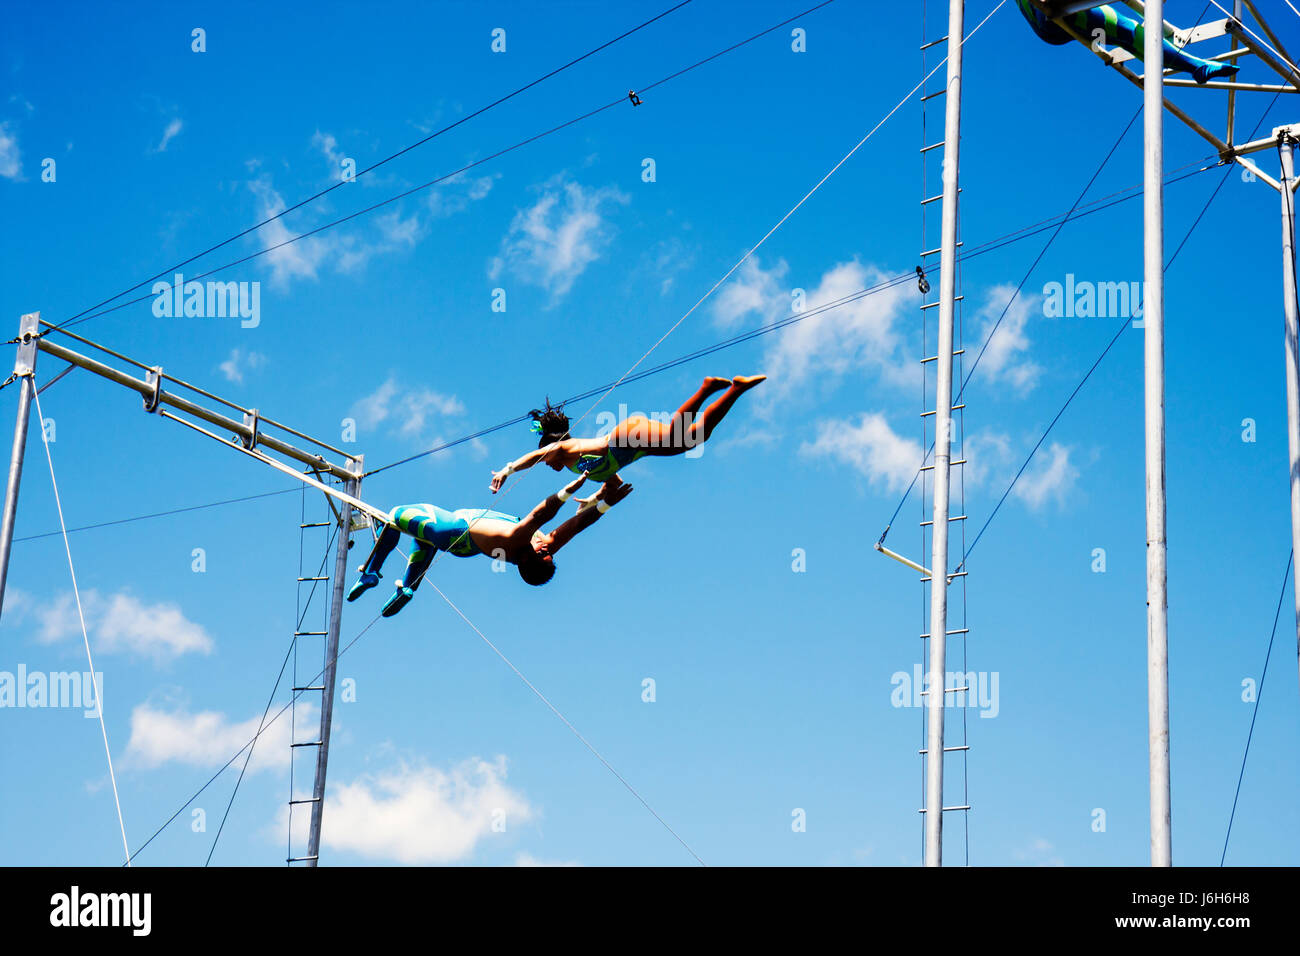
775,688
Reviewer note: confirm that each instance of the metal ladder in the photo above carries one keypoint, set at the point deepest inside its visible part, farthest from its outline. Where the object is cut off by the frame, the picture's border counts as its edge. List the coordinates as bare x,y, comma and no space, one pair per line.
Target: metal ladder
956,787
308,653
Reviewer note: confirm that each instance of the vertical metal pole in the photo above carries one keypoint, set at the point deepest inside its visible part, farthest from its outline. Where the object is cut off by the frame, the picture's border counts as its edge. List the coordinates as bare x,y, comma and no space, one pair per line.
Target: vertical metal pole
1292,355
353,488
1154,361
936,697
24,366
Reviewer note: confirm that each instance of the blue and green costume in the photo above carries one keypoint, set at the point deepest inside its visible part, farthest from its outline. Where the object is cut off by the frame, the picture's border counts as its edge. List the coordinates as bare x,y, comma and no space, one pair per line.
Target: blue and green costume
434,529
605,466
1121,31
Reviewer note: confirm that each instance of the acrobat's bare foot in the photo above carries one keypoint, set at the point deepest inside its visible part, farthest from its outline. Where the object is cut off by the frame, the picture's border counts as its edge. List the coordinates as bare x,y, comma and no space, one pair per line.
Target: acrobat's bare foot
746,382
714,384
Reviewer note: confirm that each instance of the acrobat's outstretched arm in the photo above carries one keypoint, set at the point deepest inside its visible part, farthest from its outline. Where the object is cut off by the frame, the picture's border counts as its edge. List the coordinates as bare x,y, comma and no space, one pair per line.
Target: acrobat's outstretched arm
519,464
589,512
547,509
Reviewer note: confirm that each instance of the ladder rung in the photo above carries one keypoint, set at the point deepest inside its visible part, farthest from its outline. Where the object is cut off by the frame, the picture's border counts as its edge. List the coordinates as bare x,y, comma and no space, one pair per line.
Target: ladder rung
309,743
313,579
310,633
935,305
935,358
311,687
955,408
925,524
926,46
959,574
926,149
930,96
305,800
945,749
960,630
951,464
936,249
948,690
315,524
946,809
300,859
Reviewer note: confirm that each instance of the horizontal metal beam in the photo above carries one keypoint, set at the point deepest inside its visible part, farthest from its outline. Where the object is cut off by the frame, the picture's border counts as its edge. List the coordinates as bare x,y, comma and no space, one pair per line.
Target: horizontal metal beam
149,391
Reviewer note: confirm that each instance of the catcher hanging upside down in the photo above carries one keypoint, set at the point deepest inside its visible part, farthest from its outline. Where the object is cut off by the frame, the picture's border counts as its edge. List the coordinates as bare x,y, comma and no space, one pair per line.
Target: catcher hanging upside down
470,531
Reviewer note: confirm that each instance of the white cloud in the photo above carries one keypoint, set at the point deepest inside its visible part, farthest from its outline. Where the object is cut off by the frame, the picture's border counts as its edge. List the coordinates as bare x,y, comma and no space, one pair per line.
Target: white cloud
551,243
455,194
210,738
233,368
1002,359
527,859
121,623
420,814
297,260
407,410
1047,478
871,447
753,290
857,335
329,148
1039,852
171,132
10,161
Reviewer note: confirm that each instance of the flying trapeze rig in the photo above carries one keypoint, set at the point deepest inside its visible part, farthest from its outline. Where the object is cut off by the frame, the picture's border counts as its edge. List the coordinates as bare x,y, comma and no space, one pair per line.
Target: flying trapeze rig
1118,39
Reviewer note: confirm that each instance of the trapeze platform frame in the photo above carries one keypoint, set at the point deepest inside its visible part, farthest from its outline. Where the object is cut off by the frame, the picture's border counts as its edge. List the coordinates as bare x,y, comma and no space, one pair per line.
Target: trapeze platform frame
251,434
1272,54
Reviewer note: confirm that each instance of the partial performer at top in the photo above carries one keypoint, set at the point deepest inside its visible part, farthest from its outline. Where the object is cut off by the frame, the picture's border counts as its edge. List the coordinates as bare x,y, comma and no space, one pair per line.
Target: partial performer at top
1107,25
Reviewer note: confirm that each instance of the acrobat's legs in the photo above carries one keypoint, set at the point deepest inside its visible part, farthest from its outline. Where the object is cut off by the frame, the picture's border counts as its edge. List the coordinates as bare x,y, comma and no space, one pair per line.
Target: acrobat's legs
370,575
416,565
673,439
696,402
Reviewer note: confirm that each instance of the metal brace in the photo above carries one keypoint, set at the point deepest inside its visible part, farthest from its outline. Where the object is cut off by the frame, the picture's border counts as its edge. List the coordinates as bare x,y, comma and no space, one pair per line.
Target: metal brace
154,379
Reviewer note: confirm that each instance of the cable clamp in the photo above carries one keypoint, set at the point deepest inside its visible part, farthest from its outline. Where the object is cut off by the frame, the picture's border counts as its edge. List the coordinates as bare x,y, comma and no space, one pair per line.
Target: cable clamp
253,422
636,100
154,379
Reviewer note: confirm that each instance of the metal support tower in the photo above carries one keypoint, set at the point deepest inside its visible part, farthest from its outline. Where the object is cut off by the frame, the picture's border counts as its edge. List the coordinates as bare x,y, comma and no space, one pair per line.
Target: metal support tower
936,688
254,435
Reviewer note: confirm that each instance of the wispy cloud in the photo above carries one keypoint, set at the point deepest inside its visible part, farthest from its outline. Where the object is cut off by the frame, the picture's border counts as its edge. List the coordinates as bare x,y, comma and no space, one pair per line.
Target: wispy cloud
551,243
173,130
10,159
240,361
406,411
297,260
329,148
1039,852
